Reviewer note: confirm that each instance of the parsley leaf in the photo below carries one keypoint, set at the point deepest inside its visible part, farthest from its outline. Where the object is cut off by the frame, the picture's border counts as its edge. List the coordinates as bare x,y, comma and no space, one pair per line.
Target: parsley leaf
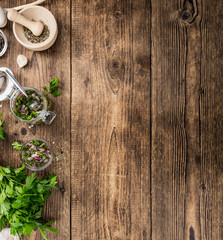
29,182
16,145
54,84
3,222
56,93
2,131
1,123
28,229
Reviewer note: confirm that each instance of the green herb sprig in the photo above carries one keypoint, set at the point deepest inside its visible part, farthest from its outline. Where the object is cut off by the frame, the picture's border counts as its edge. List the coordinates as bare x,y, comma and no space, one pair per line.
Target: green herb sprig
22,200
16,145
54,84
2,131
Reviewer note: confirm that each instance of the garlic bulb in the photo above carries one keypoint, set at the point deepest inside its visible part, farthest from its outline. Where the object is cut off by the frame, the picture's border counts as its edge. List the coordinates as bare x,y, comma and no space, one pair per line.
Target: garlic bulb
22,61
5,235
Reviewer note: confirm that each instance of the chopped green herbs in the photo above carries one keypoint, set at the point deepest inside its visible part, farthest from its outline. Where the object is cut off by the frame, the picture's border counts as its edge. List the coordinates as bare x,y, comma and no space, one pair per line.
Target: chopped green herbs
54,84
28,108
35,153
2,43
22,200
2,131
36,39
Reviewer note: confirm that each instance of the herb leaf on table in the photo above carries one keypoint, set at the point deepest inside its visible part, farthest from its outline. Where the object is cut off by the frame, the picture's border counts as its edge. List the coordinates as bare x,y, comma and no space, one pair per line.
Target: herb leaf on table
16,145
54,84
2,131
22,200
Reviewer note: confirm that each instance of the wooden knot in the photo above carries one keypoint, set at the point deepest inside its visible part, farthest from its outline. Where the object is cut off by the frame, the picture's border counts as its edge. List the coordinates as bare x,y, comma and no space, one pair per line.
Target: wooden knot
116,71
117,14
186,15
23,131
189,12
86,81
115,65
201,91
203,186
62,189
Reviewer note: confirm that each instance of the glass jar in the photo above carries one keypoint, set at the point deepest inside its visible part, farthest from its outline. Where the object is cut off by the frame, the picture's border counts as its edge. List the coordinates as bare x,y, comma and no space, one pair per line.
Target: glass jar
44,116
35,168
11,92
5,46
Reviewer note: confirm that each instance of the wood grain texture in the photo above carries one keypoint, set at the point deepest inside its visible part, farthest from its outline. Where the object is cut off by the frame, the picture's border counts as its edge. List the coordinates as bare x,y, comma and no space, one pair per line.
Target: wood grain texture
169,137
211,115
111,132
139,125
183,129
42,66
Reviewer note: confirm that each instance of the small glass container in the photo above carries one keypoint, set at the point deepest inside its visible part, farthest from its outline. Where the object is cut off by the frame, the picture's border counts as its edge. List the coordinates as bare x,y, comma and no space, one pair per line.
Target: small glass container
36,168
45,115
5,43
11,92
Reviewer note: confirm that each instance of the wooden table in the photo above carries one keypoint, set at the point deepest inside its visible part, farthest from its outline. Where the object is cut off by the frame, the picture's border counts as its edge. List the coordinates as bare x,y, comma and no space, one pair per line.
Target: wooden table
139,131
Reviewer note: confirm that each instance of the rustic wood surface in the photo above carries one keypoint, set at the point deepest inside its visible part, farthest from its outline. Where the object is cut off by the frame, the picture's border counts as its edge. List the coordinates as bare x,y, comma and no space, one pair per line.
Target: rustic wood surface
138,134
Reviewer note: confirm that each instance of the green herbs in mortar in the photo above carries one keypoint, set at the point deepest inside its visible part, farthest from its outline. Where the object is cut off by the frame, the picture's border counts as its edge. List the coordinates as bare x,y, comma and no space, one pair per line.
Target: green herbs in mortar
35,153
36,39
2,131
22,200
28,108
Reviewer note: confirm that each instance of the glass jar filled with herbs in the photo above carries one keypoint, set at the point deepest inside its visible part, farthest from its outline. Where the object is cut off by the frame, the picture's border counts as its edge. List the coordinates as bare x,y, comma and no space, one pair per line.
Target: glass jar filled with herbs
36,154
32,109
26,103
28,108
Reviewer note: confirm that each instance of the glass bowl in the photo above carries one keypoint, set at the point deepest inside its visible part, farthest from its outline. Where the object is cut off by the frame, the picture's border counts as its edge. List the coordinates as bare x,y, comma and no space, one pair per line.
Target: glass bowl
36,168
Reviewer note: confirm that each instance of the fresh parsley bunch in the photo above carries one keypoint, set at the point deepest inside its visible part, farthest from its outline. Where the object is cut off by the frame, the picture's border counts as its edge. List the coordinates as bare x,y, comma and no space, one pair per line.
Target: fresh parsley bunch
54,84
2,131
22,199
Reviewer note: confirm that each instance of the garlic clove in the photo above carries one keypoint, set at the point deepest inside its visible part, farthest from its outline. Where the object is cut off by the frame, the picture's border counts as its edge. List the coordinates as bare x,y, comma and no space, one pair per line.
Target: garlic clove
22,61
3,18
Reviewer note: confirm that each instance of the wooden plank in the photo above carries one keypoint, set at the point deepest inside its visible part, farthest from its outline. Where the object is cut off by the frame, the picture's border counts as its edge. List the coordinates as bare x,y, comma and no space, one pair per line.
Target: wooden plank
211,115
175,120
41,68
111,119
